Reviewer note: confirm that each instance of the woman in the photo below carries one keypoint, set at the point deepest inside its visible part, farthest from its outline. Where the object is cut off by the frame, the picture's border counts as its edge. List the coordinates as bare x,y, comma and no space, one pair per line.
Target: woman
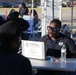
23,10
35,15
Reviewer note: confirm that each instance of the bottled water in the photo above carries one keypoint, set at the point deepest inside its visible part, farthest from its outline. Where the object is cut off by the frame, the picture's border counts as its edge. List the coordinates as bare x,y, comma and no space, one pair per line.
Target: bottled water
63,53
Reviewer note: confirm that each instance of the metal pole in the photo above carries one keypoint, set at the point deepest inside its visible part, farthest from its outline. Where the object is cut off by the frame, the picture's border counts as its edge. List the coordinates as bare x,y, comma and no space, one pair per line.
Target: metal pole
44,14
32,21
42,24
32,8
71,19
60,17
53,9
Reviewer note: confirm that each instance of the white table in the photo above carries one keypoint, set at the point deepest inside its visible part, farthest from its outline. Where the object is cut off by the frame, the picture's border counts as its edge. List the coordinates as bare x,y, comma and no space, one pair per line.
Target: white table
69,66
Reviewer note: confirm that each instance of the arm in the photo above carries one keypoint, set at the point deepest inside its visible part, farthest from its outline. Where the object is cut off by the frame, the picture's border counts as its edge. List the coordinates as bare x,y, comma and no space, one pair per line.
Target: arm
43,39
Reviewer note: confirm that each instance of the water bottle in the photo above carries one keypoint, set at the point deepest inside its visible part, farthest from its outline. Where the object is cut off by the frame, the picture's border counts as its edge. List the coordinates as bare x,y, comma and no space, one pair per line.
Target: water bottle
63,53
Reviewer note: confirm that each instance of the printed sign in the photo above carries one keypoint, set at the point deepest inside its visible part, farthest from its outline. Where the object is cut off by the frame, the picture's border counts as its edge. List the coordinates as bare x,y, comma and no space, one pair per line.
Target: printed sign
33,49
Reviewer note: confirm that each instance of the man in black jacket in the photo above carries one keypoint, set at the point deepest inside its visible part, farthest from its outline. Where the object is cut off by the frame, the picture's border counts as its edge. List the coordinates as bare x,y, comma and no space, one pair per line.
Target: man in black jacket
12,63
54,40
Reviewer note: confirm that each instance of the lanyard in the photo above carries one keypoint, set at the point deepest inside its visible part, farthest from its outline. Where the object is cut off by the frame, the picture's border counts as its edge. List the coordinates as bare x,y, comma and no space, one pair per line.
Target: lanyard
53,43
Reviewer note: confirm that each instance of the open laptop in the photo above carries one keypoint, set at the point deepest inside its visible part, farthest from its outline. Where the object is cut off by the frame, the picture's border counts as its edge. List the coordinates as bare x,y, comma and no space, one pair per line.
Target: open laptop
33,49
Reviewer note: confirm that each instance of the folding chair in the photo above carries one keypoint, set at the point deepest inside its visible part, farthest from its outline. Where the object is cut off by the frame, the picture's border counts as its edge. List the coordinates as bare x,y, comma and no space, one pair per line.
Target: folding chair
33,31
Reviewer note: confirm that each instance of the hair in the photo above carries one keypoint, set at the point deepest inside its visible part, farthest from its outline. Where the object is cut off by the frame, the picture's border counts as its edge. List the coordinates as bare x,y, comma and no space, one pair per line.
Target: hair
12,10
23,23
58,22
23,5
34,12
13,15
8,32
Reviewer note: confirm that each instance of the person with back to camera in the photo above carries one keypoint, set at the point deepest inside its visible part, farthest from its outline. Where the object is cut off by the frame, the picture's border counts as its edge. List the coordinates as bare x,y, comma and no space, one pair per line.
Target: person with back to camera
12,10
23,23
54,41
23,10
12,63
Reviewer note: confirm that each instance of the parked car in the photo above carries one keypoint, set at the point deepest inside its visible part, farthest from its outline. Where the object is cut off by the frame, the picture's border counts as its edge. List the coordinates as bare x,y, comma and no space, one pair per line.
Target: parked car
64,4
37,4
29,4
3,4
16,5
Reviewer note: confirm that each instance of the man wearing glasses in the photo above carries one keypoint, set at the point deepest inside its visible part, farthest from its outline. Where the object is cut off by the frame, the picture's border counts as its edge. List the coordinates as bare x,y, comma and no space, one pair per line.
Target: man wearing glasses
55,39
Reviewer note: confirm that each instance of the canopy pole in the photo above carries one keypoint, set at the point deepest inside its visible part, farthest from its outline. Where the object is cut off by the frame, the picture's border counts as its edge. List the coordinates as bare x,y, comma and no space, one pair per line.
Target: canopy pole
71,19
32,20
53,9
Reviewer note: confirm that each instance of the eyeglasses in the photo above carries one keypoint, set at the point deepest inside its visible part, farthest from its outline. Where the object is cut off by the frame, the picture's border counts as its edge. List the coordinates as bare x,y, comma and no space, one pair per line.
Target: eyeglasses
53,29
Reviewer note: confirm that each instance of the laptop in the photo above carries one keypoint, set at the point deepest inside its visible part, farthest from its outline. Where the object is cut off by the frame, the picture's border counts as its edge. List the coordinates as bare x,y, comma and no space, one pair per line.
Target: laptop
33,49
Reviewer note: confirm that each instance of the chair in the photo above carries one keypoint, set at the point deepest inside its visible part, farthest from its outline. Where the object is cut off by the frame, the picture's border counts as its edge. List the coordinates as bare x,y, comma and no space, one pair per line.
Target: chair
36,34
33,30
4,17
29,19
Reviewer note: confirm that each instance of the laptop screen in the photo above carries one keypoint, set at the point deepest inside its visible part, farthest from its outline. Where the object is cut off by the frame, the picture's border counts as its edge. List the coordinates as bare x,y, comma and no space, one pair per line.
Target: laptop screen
33,49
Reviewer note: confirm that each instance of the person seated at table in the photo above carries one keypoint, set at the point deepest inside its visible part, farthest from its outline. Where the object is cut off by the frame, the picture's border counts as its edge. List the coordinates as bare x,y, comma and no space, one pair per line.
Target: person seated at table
12,63
23,23
14,16
54,41
35,16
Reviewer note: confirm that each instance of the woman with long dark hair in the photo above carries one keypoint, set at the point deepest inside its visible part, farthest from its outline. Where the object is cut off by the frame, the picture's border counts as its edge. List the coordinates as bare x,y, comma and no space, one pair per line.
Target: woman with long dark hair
35,16
23,10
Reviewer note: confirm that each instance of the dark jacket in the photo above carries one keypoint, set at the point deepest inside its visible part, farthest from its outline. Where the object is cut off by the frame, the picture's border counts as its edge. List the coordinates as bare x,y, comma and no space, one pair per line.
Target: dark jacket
53,48
12,63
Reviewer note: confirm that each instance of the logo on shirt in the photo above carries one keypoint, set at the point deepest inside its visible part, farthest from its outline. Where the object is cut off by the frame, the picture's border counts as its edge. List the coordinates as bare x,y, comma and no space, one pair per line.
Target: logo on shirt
60,43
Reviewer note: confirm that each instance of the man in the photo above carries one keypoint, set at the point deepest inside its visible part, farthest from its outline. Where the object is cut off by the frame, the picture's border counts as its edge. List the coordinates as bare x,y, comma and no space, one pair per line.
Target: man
54,40
12,63
14,16
23,23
